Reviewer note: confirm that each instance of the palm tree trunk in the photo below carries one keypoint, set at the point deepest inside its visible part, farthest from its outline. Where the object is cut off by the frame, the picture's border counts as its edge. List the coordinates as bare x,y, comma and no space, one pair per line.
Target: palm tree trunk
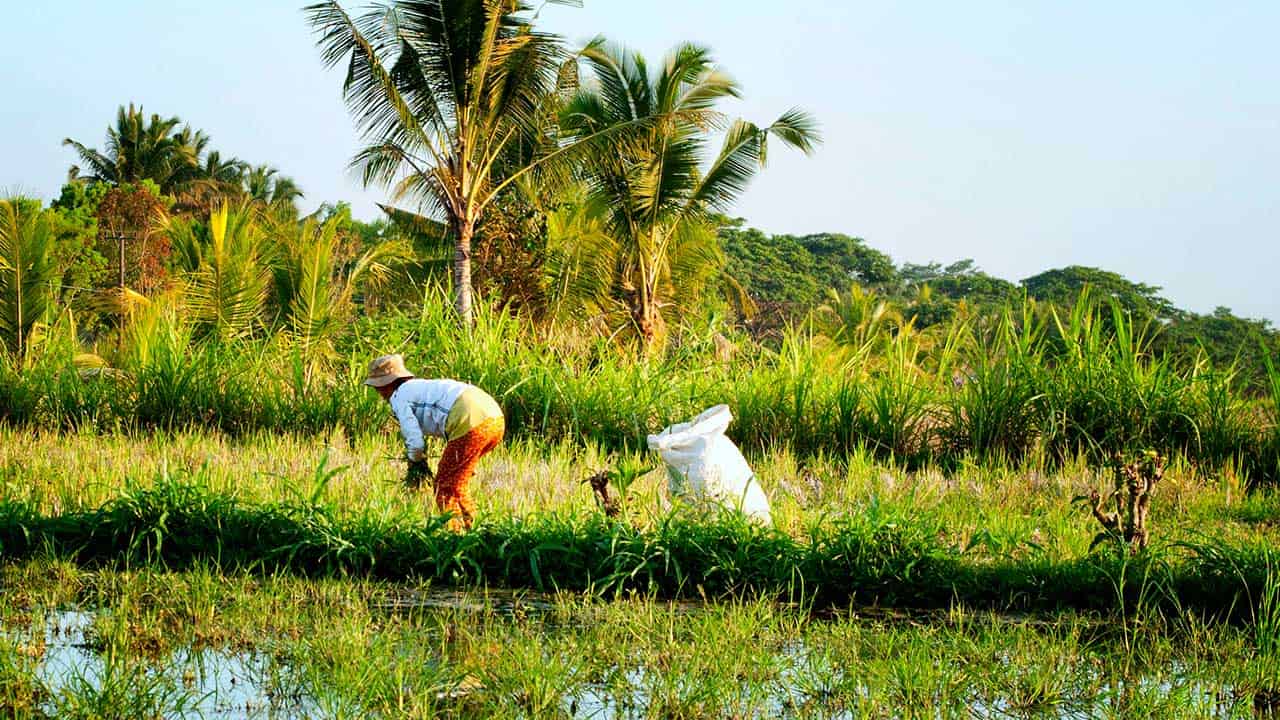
645,313
462,272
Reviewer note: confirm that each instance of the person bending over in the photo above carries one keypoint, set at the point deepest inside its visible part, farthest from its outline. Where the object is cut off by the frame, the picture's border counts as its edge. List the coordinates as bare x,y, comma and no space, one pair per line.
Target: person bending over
466,417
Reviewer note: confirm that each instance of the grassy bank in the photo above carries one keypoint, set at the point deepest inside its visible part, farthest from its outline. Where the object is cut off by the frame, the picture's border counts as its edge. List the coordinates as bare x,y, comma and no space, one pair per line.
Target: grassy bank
1022,389
853,531
871,560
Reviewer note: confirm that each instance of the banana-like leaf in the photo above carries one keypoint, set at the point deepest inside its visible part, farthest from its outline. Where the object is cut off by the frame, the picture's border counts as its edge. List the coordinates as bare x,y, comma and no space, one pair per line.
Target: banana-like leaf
227,291
27,271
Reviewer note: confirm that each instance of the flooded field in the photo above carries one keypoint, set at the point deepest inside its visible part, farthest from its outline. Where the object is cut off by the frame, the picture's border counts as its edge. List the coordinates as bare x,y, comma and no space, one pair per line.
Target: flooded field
110,635
150,644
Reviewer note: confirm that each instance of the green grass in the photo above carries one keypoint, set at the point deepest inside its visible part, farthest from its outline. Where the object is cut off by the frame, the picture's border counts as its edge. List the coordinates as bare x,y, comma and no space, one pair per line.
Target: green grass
359,648
958,591
1009,390
862,532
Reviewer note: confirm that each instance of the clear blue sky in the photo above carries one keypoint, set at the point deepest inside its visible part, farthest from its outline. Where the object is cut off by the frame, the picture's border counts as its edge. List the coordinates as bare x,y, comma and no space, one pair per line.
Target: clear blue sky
1141,136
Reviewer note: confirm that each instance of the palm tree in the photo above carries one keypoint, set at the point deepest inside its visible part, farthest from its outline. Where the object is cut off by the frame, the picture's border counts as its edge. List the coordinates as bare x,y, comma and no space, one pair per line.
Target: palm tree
858,318
192,146
266,185
27,271
227,173
584,268
657,200
138,148
212,183
227,269
314,290
452,96
178,160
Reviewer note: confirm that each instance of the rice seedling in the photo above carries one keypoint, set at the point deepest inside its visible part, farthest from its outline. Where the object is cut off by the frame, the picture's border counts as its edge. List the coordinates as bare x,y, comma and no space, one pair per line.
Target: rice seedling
22,694
1267,618
347,647
274,501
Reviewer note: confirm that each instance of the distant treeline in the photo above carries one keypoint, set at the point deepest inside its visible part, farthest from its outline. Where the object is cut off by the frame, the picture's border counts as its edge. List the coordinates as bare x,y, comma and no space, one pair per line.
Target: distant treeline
789,276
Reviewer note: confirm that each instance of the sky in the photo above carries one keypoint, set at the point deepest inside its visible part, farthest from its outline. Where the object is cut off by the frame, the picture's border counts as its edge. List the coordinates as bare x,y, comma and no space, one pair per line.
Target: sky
1142,137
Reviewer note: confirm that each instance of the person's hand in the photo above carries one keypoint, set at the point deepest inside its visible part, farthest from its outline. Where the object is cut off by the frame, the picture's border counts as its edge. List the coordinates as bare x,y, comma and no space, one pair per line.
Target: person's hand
418,471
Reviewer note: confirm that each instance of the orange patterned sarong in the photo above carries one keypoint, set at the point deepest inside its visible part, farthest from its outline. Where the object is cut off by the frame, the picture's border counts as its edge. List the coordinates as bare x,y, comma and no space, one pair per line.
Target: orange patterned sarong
458,464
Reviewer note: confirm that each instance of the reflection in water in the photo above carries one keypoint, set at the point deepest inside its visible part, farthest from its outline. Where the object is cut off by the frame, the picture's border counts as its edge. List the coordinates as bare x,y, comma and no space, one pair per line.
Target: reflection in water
216,683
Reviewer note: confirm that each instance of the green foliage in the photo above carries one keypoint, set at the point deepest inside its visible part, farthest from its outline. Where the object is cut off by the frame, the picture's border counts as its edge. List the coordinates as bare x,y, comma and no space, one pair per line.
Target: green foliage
1267,619
1225,341
456,100
21,695
138,148
840,259
1006,390
773,269
646,179
265,184
27,271
789,276
999,410
1063,286
227,273
75,225
858,318
579,269
878,556
960,284
315,289
123,689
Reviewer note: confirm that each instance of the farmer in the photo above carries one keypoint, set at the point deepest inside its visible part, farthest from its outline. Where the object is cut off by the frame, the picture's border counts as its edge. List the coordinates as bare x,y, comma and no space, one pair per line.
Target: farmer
464,415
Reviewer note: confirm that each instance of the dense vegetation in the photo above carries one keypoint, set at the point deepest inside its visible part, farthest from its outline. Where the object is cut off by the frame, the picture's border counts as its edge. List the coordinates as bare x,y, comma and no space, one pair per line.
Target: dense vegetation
875,557
790,276
131,303
1006,391
304,553
187,454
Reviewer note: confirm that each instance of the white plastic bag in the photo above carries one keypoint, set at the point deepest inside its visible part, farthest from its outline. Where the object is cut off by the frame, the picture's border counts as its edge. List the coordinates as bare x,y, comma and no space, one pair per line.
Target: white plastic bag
703,463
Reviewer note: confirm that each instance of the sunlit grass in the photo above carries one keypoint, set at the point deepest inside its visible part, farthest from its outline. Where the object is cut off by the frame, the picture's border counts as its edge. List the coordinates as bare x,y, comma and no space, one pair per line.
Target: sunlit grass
352,647
1016,390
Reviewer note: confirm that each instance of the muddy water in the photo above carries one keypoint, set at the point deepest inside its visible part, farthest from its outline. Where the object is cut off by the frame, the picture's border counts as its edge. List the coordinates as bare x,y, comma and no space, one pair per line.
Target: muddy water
203,683
224,684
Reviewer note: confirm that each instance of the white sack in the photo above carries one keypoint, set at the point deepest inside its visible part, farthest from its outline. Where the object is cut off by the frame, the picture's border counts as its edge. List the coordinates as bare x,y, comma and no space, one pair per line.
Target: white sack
703,463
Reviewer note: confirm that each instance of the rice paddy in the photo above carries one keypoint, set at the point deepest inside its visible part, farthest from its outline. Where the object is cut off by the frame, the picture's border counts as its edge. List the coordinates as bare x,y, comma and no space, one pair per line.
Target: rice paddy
199,533
883,592
1058,498
177,644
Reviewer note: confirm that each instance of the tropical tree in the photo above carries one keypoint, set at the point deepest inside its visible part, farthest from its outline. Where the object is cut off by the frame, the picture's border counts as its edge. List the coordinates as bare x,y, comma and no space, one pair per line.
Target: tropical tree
140,148
178,160
227,172
1064,286
858,318
578,272
657,200
213,182
453,99
315,286
227,271
266,185
27,270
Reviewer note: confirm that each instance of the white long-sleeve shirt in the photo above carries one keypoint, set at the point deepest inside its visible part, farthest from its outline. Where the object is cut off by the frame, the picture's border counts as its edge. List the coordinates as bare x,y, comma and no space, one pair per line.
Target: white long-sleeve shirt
422,407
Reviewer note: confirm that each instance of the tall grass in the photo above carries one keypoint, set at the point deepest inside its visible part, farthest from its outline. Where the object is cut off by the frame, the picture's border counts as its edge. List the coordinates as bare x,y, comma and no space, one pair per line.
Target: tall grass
1021,388
882,555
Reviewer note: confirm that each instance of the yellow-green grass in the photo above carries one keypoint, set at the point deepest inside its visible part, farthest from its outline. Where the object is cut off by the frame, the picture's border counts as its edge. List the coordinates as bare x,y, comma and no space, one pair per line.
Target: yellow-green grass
356,648
985,509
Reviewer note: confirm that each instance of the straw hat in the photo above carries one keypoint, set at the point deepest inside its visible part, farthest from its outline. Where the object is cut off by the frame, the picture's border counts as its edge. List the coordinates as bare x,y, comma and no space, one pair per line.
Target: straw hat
385,370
